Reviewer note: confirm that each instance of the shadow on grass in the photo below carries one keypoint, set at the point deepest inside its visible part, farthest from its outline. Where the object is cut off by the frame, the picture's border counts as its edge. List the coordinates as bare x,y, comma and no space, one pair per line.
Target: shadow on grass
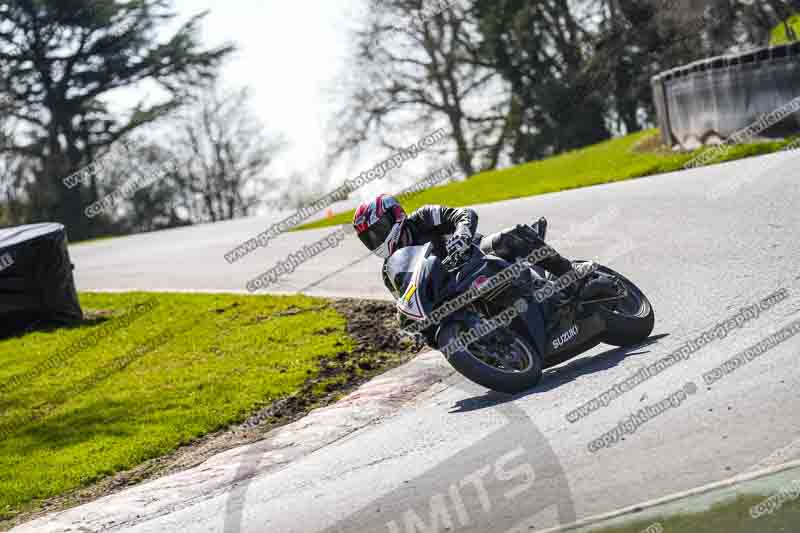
51,326
78,425
70,391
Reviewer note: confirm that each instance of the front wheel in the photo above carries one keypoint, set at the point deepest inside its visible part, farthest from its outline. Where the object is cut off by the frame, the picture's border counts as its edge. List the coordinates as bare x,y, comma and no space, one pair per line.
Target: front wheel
630,319
501,360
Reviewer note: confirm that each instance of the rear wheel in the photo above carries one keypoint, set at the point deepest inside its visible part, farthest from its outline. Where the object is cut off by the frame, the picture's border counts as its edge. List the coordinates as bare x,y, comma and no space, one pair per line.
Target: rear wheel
630,319
501,360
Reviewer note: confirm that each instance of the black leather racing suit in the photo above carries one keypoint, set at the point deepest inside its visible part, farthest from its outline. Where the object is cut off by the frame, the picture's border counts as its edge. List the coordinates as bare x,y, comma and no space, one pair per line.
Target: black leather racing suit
437,224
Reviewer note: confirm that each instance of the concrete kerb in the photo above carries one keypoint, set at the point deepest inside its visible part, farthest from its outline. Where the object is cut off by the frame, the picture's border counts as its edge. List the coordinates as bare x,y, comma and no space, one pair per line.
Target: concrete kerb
230,473
231,470
540,466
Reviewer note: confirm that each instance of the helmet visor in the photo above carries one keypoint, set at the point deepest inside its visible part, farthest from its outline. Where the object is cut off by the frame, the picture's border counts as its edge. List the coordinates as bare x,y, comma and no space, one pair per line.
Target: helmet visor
377,233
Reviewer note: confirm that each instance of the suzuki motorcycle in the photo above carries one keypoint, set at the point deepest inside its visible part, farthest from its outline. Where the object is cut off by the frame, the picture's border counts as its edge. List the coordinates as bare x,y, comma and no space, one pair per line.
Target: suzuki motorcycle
510,356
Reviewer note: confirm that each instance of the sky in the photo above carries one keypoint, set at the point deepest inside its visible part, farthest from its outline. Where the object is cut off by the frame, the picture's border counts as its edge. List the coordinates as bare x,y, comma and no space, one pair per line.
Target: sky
290,54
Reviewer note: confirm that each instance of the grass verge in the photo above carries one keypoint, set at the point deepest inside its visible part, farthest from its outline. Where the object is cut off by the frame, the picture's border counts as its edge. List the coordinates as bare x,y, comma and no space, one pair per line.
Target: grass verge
618,159
146,374
730,517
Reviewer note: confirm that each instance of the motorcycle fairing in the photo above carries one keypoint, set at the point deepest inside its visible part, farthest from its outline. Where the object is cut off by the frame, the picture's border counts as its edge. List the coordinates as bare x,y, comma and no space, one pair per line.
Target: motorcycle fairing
415,275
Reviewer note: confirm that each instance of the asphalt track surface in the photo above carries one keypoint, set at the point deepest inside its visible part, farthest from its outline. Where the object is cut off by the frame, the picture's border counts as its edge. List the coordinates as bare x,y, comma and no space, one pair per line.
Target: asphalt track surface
701,244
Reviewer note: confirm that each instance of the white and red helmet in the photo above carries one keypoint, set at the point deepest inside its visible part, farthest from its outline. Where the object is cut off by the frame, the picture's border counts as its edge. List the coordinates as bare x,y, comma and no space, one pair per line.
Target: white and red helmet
379,224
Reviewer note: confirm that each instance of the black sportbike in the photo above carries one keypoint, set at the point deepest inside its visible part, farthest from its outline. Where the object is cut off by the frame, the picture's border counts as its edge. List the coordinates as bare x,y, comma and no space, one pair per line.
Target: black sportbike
485,339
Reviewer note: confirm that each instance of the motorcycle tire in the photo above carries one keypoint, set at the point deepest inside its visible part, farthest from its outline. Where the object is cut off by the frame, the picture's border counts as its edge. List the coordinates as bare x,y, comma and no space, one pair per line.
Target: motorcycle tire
477,370
631,321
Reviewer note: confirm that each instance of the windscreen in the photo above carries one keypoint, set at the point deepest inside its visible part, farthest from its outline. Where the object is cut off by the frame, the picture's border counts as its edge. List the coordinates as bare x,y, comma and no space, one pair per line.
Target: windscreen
400,268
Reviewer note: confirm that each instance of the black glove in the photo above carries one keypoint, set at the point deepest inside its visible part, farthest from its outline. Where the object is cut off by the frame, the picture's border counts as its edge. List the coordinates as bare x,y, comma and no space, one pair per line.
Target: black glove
456,249
458,244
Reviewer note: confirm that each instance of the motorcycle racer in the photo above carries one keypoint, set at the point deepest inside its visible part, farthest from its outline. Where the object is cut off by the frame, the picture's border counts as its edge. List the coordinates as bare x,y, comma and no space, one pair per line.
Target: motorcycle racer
383,227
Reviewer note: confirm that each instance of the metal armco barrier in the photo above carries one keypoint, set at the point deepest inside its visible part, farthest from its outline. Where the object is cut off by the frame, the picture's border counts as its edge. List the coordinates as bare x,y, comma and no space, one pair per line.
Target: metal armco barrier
708,100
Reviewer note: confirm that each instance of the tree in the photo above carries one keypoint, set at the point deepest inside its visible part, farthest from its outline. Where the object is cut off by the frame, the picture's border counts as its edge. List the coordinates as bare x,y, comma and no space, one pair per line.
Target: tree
540,49
143,183
580,70
14,202
223,153
60,58
739,24
416,72
525,79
